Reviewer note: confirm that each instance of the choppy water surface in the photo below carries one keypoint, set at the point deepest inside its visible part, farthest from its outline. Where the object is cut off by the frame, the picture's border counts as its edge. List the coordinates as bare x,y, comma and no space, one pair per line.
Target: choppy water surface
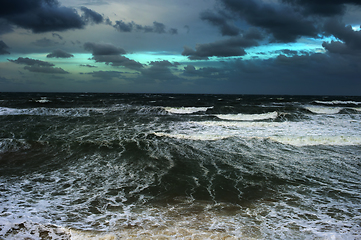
120,166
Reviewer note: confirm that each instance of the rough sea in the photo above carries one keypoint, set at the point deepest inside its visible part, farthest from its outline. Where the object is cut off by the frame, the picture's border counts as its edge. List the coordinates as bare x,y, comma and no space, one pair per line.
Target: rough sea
163,166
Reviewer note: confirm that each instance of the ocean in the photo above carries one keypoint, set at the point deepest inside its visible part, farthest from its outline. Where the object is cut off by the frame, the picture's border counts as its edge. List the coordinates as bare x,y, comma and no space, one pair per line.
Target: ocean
173,166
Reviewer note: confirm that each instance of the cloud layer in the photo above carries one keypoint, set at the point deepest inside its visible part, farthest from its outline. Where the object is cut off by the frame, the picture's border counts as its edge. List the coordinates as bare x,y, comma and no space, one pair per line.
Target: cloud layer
46,15
227,46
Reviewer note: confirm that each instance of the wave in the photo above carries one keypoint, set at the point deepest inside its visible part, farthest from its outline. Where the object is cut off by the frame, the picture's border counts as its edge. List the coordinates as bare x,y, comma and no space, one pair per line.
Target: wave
316,131
298,141
13,145
42,100
323,110
248,117
186,110
65,112
338,102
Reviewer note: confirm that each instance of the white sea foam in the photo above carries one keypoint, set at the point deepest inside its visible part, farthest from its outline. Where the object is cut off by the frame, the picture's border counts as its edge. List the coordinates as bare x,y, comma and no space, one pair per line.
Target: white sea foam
43,100
337,102
12,145
330,131
248,117
42,111
186,110
323,109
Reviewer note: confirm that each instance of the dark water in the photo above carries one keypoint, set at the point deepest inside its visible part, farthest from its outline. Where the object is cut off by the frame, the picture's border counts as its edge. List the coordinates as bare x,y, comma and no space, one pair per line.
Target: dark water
120,166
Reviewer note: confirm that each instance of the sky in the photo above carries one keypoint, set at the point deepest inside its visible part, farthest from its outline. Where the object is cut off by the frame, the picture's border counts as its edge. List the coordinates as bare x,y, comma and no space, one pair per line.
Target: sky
291,47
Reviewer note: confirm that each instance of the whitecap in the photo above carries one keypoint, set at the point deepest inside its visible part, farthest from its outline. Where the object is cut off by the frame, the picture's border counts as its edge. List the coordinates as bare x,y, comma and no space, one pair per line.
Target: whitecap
186,110
323,110
248,117
338,102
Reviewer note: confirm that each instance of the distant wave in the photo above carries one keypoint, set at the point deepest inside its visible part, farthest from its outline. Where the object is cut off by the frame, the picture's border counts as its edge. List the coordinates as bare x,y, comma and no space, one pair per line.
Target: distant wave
323,110
248,117
337,102
298,141
42,111
186,110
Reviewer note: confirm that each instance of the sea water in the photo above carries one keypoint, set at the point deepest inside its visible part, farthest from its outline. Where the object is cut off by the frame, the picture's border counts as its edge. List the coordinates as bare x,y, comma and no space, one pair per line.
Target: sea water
162,166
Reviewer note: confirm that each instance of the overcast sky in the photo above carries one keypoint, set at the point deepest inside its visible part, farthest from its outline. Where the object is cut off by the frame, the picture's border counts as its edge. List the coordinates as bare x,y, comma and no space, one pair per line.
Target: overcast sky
181,46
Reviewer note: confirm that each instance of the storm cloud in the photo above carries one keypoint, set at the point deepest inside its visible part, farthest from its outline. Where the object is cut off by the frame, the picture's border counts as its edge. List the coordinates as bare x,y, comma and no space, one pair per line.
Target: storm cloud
3,48
91,16
45,15
40,69
34,65
111,55
231,47
157,27
31,62
283,22
103,49
323,7
59,54
222,22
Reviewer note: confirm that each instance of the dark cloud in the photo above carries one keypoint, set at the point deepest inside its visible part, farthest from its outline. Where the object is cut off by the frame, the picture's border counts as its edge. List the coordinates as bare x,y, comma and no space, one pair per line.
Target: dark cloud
173,31
57,35
34,65
45,42
221,21
31,62
351,38
45,15
124,27
117,61
224,48
111,55
95,2
164,63
158,28
91,16
282,21
323,7
59,54
103,49
5,27
132,26
3,48
40,69
87,65
339,48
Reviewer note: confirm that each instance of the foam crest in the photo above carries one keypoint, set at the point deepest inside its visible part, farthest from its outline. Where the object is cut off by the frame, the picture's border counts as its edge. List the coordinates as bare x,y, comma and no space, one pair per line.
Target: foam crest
337,102
323,110
186,110
332,131
340,140
43,100
42,111
189,136
248,117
